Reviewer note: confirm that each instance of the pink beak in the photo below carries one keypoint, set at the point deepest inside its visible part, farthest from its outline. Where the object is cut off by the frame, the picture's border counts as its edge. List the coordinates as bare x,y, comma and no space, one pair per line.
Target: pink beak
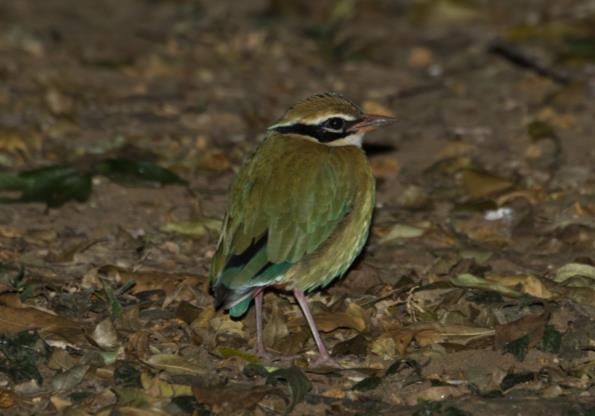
371,122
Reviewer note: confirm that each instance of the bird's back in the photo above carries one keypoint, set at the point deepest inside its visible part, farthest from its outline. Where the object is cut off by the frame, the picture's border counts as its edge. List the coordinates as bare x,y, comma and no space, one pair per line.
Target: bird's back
299,213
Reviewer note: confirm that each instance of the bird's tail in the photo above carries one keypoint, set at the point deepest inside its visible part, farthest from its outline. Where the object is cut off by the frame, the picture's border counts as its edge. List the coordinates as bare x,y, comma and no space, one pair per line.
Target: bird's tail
237,301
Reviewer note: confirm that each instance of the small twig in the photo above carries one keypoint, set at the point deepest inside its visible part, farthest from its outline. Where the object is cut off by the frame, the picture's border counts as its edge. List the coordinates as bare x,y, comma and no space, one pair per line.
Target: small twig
521,59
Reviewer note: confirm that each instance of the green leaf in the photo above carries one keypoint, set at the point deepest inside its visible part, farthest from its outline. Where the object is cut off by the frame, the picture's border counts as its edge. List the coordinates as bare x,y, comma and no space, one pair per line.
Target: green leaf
115,305
551,341
518,347
53,185
129,172
297,382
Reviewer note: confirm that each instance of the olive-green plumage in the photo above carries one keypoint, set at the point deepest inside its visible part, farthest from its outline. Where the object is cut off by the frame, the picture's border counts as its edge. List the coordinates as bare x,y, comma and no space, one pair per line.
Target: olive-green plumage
299,210
313,205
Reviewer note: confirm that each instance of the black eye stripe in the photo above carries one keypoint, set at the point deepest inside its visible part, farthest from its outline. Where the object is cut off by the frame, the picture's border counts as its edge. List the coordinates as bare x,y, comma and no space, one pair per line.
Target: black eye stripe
317,131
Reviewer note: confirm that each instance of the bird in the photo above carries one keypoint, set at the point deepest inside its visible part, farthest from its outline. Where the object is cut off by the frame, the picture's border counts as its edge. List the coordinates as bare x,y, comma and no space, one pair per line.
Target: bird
299,210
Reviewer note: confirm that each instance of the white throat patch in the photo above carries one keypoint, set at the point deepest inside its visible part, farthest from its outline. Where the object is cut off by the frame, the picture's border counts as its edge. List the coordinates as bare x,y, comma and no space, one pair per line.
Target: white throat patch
351,140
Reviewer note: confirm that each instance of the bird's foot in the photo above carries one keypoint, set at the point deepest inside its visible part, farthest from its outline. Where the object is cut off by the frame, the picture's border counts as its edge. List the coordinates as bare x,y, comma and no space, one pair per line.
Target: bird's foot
325,361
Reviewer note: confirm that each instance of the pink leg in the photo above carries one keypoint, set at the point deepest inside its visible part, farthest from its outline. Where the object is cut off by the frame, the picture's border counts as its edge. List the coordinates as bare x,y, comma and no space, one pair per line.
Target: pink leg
324,355
260,349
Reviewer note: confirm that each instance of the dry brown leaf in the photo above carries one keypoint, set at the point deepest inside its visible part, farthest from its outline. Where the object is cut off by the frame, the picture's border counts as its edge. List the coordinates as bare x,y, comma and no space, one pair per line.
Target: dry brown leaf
532,325
402,339
149,280
428,333
15,320
11,232
138,345
479,229
481,184
7,398
232,397
531,285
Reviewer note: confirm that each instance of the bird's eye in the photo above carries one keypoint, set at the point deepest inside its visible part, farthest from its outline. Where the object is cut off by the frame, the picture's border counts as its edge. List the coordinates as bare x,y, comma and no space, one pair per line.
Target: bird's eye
334,123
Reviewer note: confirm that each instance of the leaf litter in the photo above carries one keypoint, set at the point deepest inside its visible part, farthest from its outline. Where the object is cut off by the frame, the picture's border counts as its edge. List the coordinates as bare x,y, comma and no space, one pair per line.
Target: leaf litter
475,293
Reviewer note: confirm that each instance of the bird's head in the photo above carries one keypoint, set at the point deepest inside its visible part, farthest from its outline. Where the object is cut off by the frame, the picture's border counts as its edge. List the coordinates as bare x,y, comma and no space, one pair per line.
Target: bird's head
330,119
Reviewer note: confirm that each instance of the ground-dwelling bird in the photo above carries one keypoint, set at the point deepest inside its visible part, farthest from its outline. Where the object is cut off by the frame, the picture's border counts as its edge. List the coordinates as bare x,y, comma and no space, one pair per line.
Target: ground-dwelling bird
299,210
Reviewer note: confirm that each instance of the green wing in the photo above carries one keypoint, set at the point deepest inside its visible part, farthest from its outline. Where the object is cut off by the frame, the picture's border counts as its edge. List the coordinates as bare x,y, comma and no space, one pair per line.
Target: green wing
286,200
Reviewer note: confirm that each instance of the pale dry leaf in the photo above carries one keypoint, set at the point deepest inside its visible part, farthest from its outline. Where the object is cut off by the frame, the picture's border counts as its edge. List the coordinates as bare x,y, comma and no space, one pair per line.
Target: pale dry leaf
436,394
383,346
175,364
574,269
105,335
224,324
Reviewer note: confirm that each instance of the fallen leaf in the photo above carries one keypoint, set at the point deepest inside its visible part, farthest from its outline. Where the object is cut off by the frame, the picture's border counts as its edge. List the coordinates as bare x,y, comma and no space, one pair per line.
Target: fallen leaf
15,320
175,364
232,397
527,332
574,269
470,281
530,285
428,333
70,378
482,184
193,229
297,383
402,231
7,398
105,335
